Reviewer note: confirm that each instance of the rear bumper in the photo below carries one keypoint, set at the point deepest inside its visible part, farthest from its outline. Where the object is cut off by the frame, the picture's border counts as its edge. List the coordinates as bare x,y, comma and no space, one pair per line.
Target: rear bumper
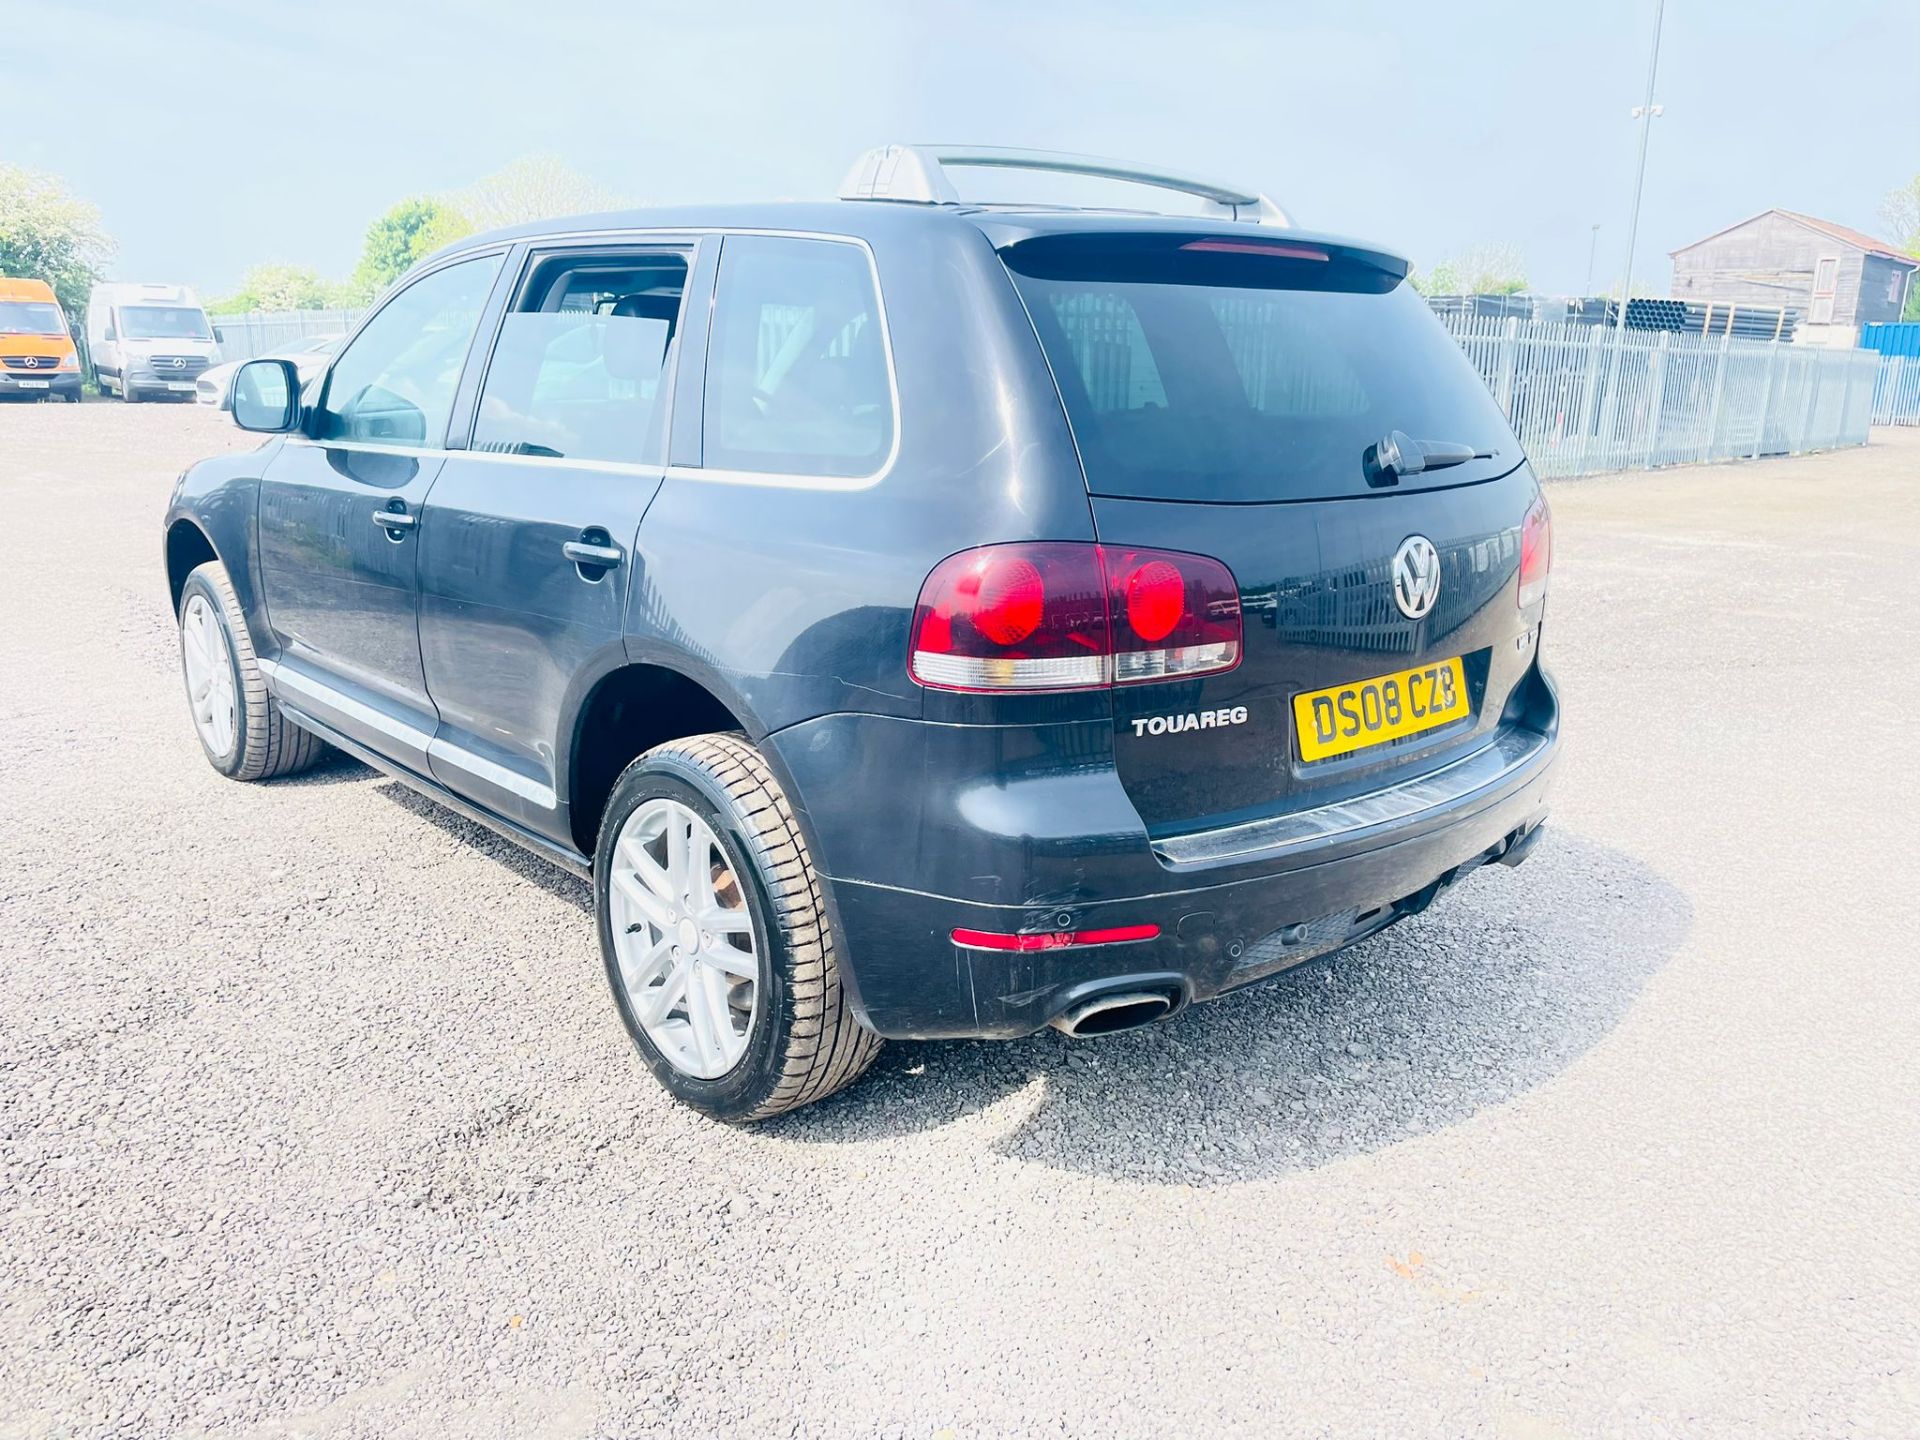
1027,830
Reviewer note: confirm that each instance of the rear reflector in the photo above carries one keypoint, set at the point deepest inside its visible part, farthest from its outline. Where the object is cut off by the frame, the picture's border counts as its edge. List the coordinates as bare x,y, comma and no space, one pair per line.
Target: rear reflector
1072,616
1056,939
1536,552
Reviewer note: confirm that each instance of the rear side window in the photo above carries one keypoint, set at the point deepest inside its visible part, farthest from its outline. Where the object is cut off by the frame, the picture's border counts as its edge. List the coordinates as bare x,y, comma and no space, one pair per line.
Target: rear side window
579,367
394,384
797,380
1240,374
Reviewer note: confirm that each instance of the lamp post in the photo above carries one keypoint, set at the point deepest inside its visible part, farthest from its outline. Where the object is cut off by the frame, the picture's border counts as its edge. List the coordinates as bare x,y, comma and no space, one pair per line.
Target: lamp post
1592,246
1645,113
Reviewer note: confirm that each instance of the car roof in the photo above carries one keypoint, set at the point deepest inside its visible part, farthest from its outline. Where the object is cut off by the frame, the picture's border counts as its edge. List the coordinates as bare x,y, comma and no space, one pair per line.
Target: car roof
23,287
876,220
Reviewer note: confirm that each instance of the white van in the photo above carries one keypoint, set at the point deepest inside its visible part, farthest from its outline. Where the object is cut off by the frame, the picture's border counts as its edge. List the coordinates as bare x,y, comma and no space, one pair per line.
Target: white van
148,340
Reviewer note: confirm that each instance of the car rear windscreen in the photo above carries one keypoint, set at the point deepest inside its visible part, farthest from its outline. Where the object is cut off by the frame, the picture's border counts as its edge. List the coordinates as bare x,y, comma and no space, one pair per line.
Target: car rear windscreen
1217,369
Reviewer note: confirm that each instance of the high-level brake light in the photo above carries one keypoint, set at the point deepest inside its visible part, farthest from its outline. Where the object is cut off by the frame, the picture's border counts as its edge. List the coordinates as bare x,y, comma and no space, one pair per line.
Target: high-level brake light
1066,615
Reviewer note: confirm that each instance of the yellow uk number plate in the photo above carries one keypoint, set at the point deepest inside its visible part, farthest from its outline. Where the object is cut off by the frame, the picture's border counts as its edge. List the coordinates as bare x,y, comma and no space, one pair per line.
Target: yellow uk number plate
1368,712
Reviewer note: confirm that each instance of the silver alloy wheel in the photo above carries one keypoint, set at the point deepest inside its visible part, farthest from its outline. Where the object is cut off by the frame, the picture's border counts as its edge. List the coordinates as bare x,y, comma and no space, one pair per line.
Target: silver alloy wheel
209,662
688,953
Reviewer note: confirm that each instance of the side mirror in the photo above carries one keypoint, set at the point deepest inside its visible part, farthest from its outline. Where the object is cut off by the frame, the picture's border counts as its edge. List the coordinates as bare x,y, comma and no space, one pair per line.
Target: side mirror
266,396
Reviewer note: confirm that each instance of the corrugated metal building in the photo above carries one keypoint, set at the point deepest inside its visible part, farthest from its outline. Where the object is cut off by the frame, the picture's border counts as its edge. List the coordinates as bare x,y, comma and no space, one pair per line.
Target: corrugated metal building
1839,279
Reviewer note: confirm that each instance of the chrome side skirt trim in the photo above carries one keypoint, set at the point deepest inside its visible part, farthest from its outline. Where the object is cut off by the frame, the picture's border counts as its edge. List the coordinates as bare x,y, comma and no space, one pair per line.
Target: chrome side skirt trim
292,684
291,687
1506,758
532,791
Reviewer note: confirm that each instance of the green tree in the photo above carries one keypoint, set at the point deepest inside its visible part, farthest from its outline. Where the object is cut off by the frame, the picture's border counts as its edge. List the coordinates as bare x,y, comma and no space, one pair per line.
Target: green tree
1901,211
536,187
1478,270
48,234
414,228
281,287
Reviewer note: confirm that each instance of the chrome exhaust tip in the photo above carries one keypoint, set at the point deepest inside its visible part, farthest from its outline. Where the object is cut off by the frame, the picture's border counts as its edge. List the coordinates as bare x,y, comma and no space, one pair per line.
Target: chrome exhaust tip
1110,1014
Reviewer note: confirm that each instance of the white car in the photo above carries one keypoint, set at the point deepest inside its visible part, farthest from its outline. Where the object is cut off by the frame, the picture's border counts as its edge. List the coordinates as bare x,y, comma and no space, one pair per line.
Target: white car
309,358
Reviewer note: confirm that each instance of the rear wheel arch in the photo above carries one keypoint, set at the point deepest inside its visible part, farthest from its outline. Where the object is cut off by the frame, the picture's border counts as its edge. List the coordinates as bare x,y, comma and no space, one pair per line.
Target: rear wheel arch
628,711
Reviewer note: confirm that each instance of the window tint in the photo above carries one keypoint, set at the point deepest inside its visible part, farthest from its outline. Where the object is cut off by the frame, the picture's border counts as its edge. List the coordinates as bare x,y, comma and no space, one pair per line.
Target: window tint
796,366
1231,376
37,317
163,322
579,368
394,384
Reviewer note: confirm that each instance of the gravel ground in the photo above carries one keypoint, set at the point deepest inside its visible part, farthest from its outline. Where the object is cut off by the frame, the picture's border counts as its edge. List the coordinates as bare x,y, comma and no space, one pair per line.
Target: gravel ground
315,1118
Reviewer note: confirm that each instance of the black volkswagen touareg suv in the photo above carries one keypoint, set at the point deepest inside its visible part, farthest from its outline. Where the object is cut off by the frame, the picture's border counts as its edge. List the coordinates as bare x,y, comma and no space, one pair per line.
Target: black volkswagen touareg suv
917,618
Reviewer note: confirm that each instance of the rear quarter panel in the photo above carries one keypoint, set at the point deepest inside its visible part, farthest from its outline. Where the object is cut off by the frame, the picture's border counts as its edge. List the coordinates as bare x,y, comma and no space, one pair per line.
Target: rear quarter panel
792,598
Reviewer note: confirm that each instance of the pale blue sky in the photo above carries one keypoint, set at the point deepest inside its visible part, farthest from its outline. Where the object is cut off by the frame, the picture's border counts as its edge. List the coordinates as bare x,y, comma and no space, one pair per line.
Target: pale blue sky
217,133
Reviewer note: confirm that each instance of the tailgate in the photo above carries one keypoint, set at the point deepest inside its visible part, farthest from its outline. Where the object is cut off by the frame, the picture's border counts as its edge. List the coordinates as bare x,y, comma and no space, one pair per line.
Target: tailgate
1317,597
1233,395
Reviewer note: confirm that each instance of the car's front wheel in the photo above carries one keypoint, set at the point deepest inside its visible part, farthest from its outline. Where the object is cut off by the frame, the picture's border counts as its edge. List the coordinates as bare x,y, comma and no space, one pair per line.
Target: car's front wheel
716,935
240,726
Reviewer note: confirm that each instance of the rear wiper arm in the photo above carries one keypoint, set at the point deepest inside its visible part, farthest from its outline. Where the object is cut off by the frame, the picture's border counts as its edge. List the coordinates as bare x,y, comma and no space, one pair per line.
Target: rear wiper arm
1398,453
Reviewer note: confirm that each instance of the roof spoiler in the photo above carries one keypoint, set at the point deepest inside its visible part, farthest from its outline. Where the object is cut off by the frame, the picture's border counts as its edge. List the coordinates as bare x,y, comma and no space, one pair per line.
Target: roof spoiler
917,173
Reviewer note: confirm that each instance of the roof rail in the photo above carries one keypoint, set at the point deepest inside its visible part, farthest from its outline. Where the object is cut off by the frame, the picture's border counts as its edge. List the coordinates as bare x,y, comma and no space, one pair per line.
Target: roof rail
916,173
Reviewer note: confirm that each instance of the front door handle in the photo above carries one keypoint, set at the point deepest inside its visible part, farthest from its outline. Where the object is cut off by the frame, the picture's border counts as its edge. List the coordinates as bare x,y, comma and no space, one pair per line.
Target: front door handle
585,552
394,519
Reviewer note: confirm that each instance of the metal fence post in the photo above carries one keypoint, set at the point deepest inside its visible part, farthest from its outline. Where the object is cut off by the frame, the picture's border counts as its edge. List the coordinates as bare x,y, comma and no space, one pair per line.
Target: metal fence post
1719,390
1503,387
1656,399
1766,402
1803,438
1589,400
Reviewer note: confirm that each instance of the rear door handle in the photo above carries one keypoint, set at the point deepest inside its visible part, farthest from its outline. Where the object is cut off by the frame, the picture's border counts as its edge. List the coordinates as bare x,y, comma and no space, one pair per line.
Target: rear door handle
394,519
585,552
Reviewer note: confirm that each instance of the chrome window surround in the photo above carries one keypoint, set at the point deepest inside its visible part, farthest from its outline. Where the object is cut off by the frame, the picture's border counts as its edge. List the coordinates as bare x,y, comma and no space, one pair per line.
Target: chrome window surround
773,479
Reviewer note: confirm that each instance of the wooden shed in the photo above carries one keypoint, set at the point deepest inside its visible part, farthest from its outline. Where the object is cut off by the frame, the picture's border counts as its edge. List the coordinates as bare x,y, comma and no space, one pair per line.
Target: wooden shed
1838,279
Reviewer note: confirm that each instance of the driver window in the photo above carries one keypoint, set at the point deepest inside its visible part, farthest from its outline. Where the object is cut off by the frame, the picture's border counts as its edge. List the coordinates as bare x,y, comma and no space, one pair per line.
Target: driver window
394,384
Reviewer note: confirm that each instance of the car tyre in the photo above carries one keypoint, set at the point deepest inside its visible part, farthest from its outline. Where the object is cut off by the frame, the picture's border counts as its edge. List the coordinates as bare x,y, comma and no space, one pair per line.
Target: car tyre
128,393
240,726
802,1041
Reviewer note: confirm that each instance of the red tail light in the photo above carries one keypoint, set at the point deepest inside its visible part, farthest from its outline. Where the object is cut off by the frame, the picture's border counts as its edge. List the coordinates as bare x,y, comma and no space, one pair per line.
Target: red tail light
1536,552
1072,616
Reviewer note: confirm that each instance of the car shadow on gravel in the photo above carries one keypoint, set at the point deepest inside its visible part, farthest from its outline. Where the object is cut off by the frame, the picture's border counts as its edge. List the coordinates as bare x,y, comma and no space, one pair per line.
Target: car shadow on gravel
334,767
1498,988
529,867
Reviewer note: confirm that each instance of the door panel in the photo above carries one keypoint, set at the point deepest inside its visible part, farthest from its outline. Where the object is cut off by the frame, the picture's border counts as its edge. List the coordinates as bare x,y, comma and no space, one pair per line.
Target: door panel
341,589
513,631
528,540
340,508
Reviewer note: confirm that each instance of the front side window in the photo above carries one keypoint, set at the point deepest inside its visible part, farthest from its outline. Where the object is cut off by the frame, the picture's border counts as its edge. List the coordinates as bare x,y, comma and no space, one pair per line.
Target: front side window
797,380
30,317
163,322
579,369
394,384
